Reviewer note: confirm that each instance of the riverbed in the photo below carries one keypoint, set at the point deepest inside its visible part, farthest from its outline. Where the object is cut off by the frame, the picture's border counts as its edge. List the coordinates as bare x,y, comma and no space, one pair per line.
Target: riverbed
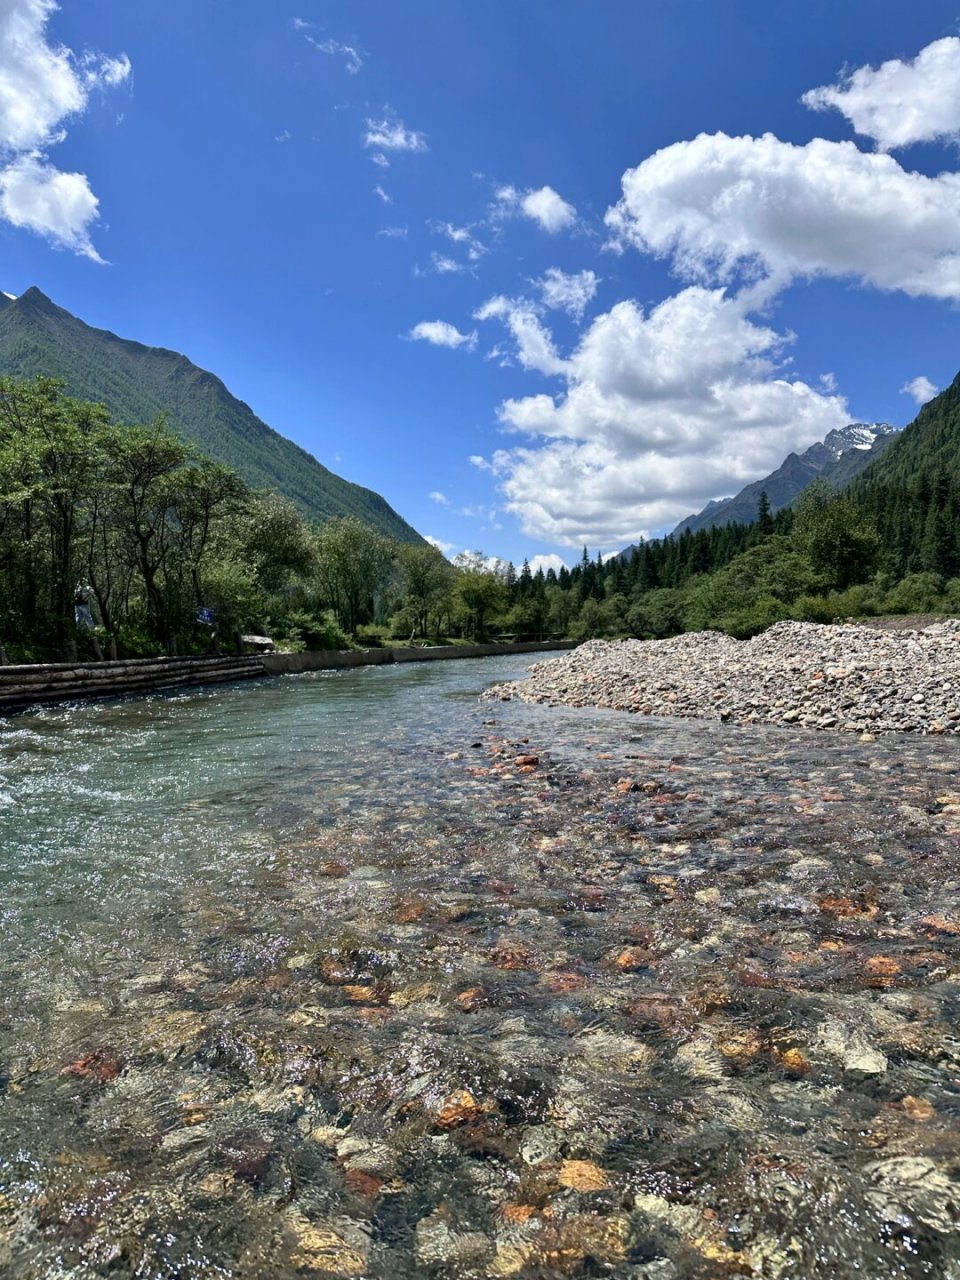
348,974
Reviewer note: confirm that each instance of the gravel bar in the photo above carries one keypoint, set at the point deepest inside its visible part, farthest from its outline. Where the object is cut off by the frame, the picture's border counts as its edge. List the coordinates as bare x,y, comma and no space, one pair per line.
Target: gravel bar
856,679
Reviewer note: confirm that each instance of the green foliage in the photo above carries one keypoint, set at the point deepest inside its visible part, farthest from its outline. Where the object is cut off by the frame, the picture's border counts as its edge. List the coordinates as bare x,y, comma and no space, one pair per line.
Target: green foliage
916,593
856,602
836,536
480,592
304,630
657,614
354,564
428,582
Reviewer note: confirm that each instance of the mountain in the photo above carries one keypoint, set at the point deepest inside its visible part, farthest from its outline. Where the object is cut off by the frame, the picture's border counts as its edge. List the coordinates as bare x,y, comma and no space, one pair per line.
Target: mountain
137,383
837,460
929,447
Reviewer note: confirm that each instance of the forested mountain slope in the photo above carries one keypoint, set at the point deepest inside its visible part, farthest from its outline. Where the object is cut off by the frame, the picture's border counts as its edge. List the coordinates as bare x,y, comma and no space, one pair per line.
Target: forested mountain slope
137,383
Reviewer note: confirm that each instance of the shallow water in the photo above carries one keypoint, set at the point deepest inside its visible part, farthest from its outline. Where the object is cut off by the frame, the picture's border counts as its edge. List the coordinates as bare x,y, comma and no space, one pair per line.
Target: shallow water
311,978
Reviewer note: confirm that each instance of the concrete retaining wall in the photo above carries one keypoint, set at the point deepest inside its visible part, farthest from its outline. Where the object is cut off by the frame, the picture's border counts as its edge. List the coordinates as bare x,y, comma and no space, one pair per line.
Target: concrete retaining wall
332,659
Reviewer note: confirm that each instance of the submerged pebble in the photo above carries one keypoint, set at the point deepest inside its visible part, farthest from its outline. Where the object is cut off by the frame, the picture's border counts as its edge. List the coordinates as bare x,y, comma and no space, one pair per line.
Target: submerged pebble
670,1003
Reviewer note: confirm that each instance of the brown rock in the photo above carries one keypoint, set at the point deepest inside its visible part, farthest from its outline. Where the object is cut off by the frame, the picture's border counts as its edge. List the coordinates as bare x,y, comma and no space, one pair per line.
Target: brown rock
103,1065
457,1108
630,959
582,1175
365,1185
918,1108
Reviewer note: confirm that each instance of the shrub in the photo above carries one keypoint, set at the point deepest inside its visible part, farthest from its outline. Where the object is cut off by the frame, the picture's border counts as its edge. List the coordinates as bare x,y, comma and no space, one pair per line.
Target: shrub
916,593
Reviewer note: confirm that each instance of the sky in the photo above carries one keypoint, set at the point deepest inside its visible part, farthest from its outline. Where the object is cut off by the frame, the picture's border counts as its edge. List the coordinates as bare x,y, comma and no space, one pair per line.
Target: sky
544,273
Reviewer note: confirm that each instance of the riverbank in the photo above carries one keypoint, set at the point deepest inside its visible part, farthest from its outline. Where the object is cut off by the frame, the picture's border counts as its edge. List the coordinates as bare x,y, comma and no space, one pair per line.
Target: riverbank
36,684
853,678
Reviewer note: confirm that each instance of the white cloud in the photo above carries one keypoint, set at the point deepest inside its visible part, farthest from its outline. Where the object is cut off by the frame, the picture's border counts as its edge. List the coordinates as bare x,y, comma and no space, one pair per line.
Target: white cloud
480,563
535,346
546,563
441,334
899,103
549,209
60,206
443,547
568,292
380,159
440,498
763,207
283,137
393,233
384,196
662,411
390,134
444,265
543,206
41,86
462,236
353,61
921,388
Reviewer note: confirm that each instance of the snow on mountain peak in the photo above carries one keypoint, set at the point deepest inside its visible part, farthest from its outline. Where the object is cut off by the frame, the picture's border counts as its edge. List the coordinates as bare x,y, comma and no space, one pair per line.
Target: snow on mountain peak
856,435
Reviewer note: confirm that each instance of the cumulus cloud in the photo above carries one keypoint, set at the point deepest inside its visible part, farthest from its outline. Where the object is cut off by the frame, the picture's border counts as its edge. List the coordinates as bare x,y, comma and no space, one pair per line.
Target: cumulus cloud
443,547
546,563
441,334
535,345
42,86
393,233
390,134
440,498
543,206
921,388
719,205
899,103
662,410
570,292
37,197
384,195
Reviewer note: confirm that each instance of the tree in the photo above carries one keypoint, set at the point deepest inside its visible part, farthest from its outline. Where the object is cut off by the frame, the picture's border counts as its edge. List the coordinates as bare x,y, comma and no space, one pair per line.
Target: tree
764,515
353,563
480,588
428,579
835,534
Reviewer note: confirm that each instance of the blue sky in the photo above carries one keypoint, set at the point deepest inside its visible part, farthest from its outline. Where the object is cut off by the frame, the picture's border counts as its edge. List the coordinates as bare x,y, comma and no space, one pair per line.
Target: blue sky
542,273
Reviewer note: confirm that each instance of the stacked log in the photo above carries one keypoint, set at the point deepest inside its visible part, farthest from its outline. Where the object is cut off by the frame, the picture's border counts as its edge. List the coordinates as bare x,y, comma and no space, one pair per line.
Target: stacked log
38,683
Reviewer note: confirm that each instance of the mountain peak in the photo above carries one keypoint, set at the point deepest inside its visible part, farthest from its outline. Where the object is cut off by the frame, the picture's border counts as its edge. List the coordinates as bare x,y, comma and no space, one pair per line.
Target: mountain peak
856,435
842,455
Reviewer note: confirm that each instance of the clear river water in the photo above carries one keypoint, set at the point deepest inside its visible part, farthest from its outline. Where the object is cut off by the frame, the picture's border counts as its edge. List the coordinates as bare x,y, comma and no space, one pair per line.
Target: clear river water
349,974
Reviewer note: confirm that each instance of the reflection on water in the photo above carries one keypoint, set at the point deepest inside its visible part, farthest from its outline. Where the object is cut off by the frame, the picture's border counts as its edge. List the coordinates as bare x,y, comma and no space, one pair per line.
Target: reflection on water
348,975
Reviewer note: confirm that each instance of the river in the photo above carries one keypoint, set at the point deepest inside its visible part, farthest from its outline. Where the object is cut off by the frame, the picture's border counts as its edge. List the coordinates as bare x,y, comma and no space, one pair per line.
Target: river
348,974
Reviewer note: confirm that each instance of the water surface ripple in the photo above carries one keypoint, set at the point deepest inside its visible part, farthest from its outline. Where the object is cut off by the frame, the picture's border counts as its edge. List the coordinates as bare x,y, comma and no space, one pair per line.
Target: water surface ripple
348,975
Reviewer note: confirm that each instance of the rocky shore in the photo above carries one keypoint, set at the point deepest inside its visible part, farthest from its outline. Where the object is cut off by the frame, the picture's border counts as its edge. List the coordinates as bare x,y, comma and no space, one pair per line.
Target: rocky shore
856,679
